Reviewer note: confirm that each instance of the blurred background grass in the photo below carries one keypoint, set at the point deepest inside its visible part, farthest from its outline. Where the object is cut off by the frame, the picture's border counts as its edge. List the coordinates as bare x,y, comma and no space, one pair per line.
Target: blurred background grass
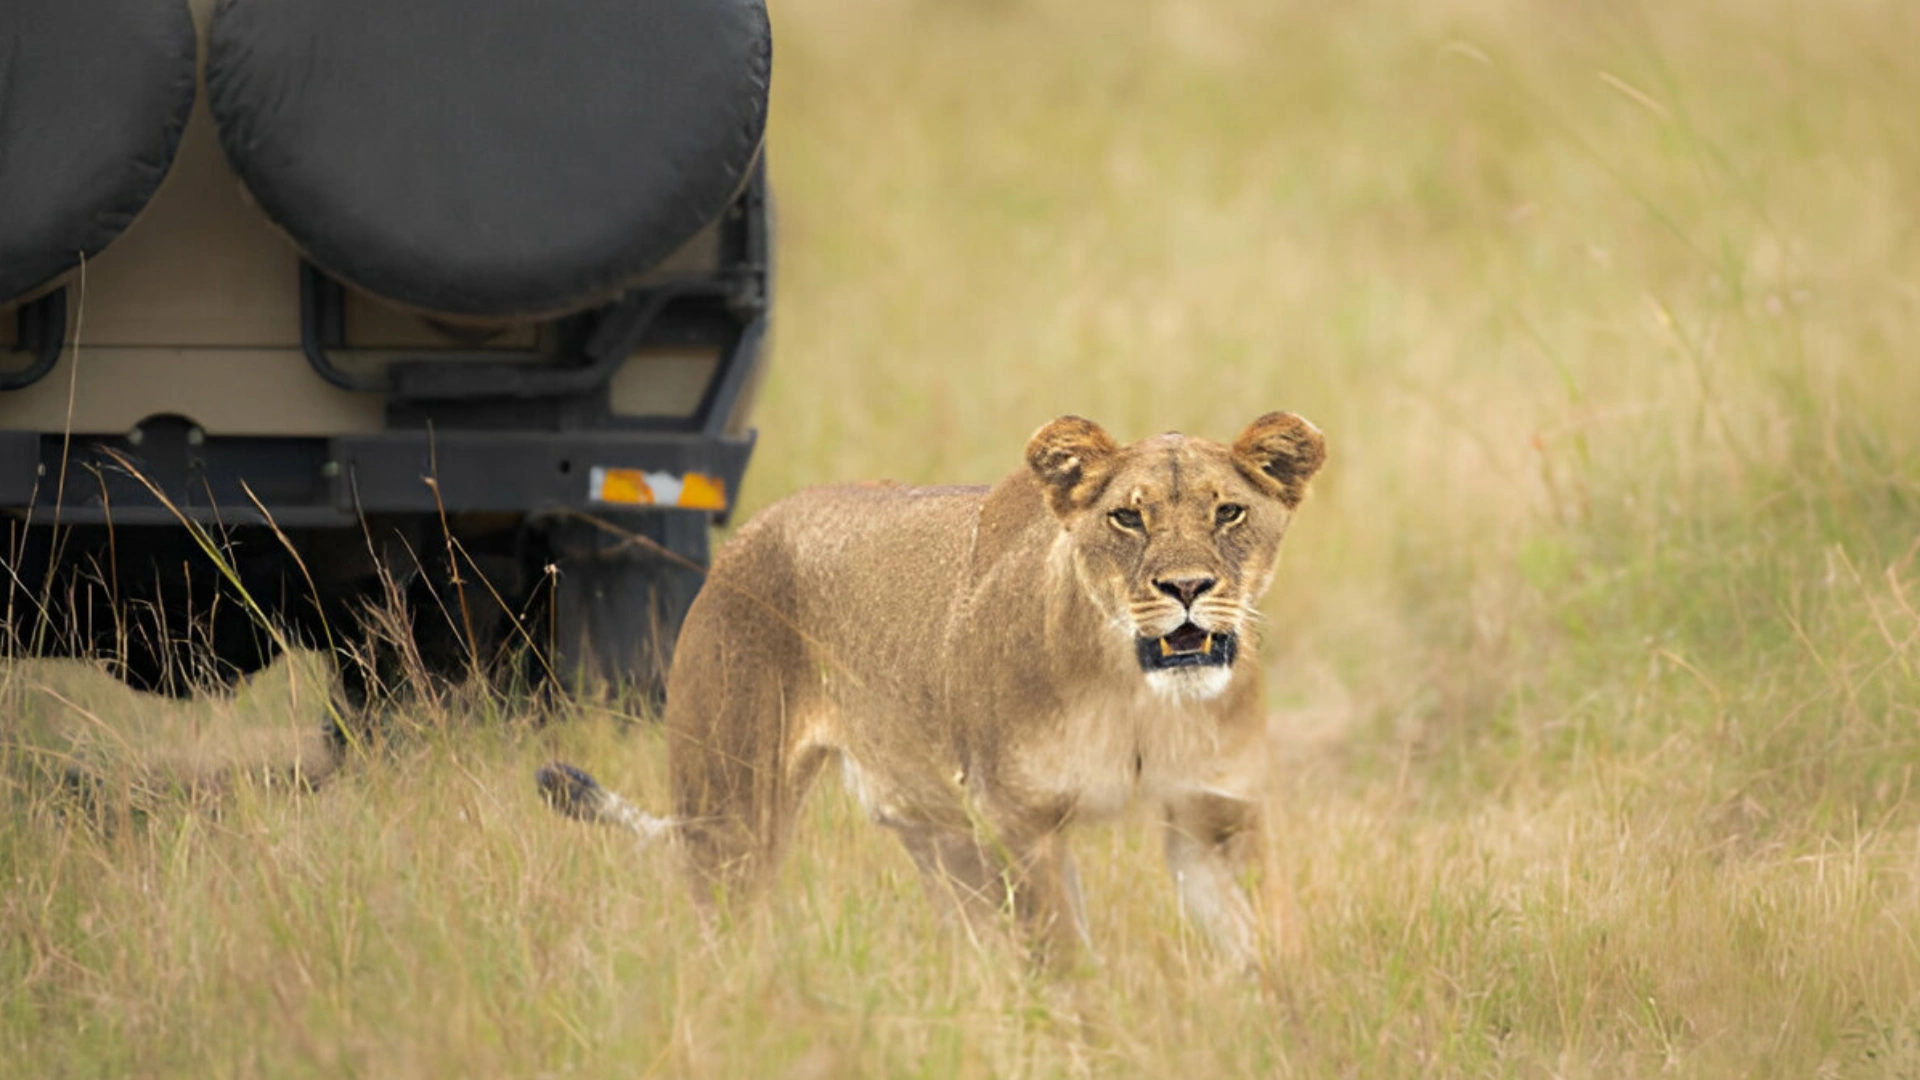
1596,684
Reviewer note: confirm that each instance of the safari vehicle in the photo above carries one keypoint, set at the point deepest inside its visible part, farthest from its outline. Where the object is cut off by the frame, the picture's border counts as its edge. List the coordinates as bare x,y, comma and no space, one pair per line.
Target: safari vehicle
306,304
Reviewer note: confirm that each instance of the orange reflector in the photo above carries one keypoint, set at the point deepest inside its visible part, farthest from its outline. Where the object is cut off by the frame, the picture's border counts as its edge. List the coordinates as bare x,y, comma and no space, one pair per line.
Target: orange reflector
634,487
626,486
699,492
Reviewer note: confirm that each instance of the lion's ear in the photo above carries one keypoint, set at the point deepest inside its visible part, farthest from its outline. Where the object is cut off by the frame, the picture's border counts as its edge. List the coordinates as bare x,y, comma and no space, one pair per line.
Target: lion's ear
1073,458
1280,452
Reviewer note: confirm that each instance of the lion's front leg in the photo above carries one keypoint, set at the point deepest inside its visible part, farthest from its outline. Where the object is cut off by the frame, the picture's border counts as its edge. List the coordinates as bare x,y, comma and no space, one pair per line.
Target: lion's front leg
976,880
1046,898
1209,841
965,880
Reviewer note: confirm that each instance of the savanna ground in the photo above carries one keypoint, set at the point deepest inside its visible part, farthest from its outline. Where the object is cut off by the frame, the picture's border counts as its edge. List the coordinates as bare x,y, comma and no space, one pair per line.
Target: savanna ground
1595,656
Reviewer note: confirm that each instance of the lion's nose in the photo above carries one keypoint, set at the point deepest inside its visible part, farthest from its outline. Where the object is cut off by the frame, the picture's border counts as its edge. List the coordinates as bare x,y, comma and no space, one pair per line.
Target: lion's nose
1185,589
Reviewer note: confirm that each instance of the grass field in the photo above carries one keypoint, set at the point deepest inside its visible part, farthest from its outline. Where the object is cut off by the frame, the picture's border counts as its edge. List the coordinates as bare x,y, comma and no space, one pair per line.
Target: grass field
1595,655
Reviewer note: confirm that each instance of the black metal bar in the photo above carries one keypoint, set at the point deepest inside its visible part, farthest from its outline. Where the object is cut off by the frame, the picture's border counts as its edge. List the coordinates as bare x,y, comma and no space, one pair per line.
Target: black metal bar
42,331
322,314
326,481
716,405
476,471
754,305
467,378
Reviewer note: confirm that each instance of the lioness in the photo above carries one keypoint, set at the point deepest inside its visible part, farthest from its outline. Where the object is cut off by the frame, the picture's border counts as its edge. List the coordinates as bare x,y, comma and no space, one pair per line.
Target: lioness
988,665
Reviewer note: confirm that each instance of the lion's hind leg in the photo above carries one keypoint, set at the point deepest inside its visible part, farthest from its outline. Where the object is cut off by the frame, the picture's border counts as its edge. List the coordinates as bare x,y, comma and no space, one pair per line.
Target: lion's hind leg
575,793
736,810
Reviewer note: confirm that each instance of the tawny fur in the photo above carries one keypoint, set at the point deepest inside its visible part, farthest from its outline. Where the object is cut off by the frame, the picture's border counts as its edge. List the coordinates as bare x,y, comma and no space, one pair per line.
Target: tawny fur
970,659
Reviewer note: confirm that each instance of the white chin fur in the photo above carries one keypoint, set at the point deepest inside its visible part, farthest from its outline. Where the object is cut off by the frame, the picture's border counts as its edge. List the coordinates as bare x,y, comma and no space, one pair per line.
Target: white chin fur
1189,684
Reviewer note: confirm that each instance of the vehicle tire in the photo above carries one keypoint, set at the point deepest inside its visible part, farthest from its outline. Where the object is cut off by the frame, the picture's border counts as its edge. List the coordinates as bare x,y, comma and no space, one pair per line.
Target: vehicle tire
93,97
490,158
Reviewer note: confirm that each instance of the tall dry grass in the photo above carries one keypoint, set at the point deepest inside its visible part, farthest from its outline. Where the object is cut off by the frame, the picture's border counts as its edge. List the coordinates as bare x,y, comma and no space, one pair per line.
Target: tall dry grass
1596,691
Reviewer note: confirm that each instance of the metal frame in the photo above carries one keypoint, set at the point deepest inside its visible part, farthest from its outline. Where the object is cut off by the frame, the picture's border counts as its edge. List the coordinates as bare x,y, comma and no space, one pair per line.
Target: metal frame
474,424
42,331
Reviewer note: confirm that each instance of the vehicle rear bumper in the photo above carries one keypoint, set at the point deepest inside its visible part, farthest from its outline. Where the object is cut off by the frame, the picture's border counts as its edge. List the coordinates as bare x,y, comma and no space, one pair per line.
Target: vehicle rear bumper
308,482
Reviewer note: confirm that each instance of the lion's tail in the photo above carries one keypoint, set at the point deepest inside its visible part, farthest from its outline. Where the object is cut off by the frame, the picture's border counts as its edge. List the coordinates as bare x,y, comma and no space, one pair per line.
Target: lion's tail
574,793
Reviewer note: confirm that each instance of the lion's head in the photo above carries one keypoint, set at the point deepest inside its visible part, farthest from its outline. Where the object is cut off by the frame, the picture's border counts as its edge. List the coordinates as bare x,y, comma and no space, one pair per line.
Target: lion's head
1175,538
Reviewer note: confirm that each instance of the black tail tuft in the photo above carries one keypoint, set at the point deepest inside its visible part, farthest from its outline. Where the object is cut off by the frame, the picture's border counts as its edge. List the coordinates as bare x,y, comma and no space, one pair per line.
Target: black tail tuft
568,789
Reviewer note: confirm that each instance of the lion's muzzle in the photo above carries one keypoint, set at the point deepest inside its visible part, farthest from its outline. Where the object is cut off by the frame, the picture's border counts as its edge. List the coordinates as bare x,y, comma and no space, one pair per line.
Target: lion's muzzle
1187,646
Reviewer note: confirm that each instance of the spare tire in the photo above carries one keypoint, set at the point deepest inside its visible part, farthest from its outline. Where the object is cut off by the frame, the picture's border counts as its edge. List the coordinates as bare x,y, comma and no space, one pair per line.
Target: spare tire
93,97
490,158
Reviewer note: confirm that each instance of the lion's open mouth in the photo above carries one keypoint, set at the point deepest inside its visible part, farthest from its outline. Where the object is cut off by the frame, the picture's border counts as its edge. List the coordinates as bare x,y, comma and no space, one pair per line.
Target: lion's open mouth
1189,646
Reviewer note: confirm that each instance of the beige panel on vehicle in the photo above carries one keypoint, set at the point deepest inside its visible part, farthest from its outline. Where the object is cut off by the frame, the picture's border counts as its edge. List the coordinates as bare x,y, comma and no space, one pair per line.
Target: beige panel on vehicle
225,391
662,382
202,266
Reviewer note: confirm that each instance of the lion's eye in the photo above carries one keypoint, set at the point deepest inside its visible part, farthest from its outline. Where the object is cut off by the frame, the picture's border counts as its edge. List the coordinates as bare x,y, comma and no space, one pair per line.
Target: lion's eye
1229,514
1130,520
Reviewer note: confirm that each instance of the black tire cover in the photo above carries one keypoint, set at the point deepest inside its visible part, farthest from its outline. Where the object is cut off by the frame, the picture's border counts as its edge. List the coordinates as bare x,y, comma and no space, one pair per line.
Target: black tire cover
93,97
490,157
